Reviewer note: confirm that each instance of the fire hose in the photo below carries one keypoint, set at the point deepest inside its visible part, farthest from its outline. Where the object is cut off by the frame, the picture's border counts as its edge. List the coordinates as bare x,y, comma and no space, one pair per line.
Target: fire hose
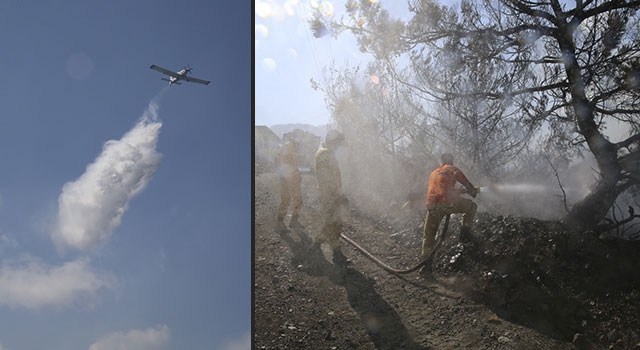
396,271
420,264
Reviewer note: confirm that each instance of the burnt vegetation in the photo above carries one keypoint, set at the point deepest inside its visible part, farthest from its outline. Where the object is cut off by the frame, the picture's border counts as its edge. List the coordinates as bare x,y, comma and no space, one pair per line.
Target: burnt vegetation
511,87
540,103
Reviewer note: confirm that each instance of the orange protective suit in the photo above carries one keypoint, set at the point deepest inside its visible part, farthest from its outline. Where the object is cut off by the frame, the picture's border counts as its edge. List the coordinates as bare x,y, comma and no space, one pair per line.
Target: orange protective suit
444,199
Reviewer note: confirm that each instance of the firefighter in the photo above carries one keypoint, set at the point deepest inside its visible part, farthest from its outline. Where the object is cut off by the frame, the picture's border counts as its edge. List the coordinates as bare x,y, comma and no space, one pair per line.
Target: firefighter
330,194
443,199
290,194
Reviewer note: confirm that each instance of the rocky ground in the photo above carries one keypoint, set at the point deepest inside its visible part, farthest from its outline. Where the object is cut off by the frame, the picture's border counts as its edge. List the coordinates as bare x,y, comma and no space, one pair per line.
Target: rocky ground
521,284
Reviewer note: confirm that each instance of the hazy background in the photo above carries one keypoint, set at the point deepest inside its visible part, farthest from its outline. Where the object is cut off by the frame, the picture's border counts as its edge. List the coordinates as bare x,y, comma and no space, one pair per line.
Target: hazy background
287,56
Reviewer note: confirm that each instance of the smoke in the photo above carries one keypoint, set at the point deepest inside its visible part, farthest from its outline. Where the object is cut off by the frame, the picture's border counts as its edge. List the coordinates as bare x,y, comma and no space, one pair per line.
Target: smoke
392,187
536,191
91,207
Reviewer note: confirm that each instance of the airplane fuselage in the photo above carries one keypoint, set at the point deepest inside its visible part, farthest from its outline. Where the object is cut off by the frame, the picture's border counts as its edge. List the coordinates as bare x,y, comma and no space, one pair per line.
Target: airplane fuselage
174,77
182,73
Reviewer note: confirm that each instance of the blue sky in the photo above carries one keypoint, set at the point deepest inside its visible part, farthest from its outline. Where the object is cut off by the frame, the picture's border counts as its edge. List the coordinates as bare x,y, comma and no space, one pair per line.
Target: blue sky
288,56
125,205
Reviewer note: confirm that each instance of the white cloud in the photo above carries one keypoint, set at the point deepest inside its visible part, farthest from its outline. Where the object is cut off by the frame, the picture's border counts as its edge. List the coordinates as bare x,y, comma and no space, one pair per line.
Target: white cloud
32,284
149,339
91,207
243,343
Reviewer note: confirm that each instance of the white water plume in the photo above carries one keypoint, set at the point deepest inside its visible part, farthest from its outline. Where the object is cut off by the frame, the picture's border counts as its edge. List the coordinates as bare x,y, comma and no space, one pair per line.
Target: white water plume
91,207
526,198
516,188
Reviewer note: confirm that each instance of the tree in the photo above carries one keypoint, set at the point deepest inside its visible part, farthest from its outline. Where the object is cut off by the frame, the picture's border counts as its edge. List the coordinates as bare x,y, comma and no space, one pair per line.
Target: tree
372,112
487,132
576,68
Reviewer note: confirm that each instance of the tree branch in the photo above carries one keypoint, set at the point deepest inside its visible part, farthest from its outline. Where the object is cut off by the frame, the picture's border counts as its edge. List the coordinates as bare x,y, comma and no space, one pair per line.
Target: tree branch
608,6
626,143
610,225
510,94
520,6
564,194
616,111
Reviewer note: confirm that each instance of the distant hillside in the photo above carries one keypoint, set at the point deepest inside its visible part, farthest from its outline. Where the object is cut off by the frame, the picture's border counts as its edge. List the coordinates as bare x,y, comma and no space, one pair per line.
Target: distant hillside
281,129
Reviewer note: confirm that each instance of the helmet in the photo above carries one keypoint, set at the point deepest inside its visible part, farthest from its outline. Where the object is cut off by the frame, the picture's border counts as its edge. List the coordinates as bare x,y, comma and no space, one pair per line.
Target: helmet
334,136
446,158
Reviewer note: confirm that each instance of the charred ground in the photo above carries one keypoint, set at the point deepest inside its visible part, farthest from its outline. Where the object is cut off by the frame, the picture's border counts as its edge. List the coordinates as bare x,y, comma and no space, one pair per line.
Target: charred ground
522,284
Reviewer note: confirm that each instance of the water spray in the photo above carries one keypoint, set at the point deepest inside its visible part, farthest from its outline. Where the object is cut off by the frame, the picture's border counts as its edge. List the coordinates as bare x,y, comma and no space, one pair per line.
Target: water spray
524,188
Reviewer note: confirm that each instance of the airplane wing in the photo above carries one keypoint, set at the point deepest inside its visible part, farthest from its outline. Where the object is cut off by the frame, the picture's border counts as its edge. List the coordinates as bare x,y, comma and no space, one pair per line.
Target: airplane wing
164,71
196,80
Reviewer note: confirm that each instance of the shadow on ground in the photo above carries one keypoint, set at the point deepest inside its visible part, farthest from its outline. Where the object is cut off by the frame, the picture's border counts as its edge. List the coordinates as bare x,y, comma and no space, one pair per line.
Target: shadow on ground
383,324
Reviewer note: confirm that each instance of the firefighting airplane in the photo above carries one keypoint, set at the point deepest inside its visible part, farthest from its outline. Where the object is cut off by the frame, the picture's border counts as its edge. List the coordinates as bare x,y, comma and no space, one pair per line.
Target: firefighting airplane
175,77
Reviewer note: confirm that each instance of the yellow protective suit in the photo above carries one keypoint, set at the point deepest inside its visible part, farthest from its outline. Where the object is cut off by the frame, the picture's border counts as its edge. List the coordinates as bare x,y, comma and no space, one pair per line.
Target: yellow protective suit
287,166
331,197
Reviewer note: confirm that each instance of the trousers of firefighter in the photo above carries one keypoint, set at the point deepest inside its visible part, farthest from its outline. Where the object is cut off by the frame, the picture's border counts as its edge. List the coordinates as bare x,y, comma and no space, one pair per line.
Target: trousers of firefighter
290,194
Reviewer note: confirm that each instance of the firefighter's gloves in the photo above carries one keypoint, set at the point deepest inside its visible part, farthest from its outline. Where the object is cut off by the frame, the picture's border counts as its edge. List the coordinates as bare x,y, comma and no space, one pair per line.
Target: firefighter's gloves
470,190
